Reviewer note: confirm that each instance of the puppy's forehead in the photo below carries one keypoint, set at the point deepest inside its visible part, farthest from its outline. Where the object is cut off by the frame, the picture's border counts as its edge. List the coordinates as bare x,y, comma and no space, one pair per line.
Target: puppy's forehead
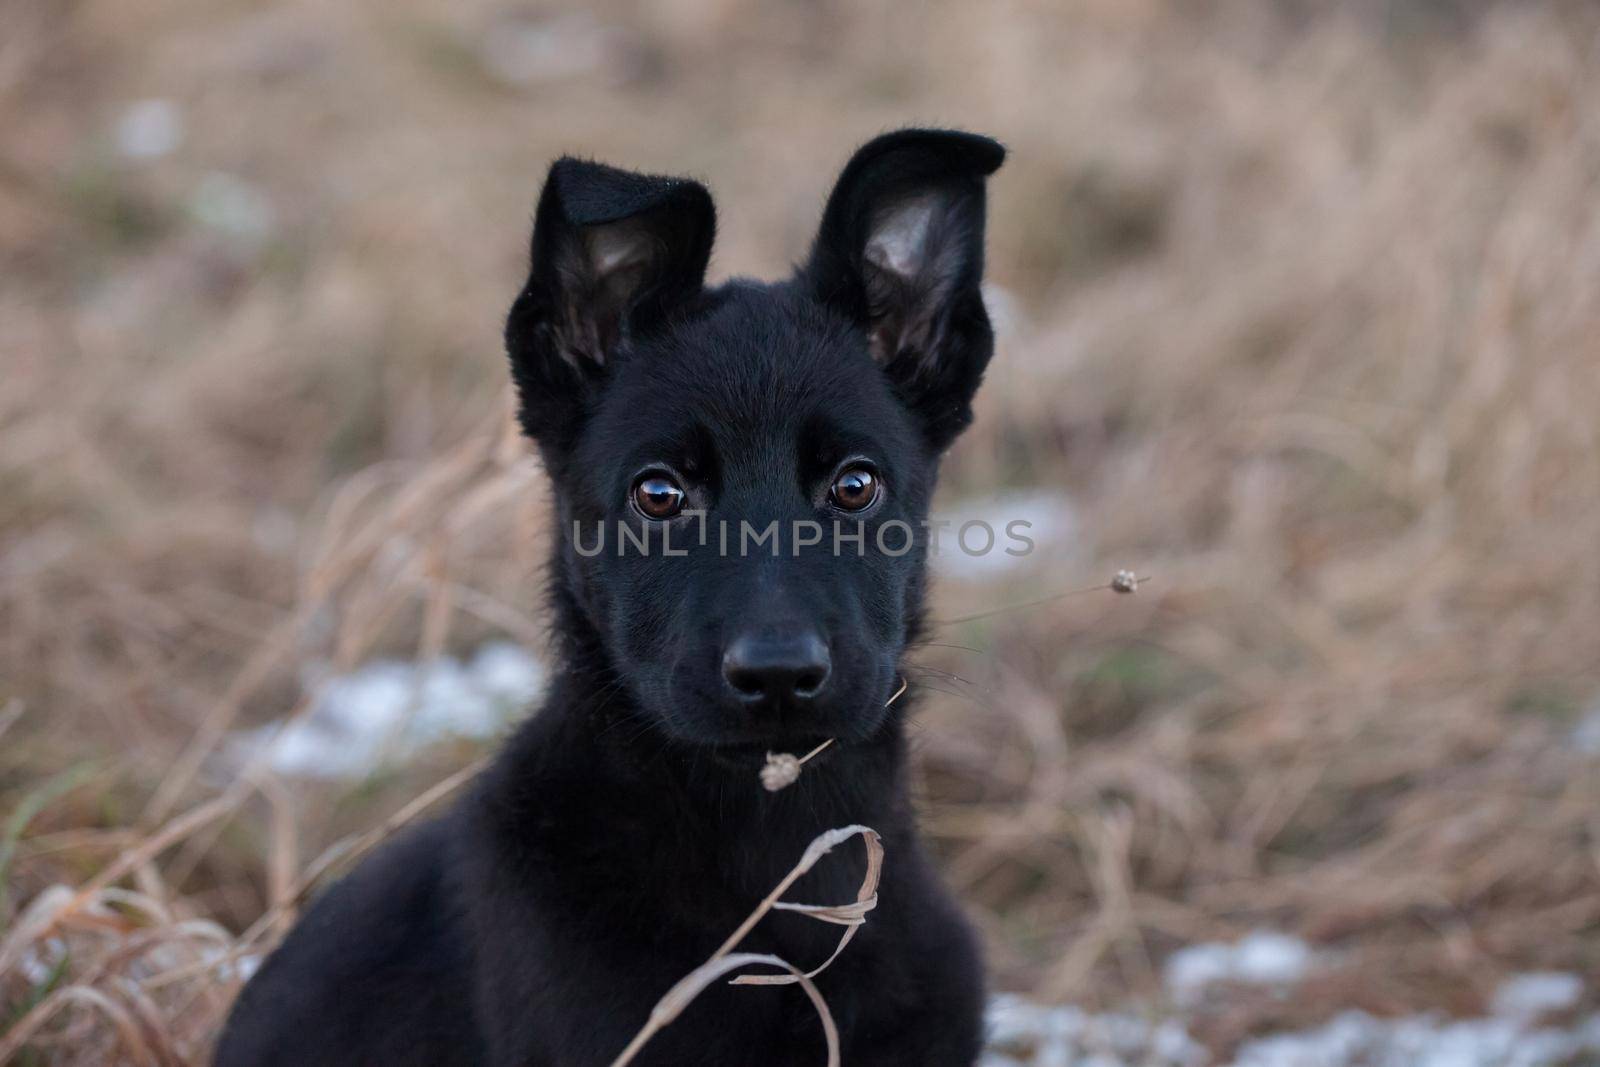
760,368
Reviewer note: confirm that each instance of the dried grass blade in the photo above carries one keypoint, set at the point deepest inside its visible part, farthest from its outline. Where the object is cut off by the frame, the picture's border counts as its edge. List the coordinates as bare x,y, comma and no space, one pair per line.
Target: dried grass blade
848,915
843,914
821,846
357,845
127,1029
30,806
724,960
696,981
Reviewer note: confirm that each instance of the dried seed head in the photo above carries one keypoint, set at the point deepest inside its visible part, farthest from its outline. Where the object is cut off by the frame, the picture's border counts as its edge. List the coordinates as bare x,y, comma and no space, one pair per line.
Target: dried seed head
1125,582
781,771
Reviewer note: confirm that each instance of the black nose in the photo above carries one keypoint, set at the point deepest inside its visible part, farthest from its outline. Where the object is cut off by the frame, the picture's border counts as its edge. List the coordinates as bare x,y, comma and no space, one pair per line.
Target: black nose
776,667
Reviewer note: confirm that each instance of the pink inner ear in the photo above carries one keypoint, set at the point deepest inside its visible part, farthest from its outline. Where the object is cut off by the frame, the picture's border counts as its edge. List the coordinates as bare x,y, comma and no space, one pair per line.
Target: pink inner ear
910,256
616,247
899,241
615,262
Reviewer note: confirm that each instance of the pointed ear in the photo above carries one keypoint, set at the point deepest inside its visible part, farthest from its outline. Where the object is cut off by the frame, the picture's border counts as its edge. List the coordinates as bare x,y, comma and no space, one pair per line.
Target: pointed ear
900,253
614,253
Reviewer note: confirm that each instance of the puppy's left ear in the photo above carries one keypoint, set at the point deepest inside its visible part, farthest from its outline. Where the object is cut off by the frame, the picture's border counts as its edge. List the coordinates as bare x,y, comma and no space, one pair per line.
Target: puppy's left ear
900,253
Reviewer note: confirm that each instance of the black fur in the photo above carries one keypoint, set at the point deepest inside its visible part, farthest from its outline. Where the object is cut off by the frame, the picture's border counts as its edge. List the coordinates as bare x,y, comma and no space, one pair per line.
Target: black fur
623,834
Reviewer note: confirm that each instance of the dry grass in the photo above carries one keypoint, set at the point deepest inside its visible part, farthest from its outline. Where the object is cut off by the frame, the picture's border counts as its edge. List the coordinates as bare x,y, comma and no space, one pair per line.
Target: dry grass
1306,319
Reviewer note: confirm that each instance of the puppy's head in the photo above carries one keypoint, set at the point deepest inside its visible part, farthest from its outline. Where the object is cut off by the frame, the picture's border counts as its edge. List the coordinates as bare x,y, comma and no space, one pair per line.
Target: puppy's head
742,473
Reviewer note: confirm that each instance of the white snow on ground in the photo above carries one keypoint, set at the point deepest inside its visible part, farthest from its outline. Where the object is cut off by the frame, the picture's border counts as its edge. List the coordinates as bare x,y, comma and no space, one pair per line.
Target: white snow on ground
1006,314
234,207
1586,735
228,968
149,129
1024,1033
524,50
38,962
1517,1033
1260,958
1529,996
1356,1038
388,710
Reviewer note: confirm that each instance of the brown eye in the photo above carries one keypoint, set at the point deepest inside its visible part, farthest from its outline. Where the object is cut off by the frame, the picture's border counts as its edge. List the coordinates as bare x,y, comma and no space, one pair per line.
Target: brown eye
657,496
855,489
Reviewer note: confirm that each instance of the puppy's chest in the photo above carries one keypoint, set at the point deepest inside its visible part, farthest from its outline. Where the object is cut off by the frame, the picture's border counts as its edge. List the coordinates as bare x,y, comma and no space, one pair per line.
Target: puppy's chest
687,918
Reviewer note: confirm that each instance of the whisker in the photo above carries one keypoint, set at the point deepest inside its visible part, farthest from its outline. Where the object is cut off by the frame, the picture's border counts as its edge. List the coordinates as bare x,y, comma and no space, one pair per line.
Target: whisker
946,644
952,676
984,704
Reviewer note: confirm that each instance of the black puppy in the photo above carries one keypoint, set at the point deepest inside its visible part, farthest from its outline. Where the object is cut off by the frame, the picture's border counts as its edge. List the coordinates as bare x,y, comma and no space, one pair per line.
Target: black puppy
741,475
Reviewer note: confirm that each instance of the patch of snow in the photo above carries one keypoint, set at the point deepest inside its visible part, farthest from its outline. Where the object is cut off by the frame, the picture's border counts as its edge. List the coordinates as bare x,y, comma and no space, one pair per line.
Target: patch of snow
521,51
233,206
1528,997
226,966
241,969
38,962
1024,1034
1586,734
1011,1018
1020,1032
1005,312
981,538
508,673
1266,958
1261,957
149,129
1356,1038
388,710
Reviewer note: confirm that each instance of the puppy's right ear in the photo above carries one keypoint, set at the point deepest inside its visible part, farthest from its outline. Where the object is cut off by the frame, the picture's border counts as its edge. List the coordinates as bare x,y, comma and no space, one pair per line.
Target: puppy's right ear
614,253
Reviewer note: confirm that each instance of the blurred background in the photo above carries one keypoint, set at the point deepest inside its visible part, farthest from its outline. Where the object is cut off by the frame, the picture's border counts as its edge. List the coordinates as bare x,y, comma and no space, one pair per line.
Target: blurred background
1299,313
